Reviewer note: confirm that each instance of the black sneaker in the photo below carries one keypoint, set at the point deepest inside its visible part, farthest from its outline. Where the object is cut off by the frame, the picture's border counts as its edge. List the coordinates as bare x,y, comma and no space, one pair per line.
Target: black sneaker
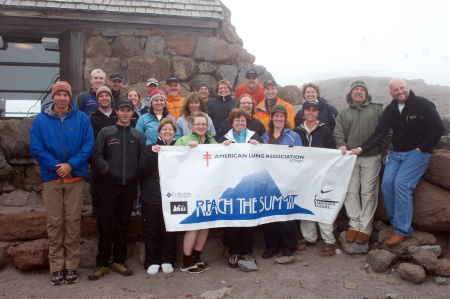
233,261
248,257
57,278
71,276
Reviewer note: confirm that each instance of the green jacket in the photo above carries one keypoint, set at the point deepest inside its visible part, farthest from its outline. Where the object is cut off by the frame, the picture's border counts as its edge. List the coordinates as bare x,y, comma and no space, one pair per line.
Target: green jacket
355,124
194,137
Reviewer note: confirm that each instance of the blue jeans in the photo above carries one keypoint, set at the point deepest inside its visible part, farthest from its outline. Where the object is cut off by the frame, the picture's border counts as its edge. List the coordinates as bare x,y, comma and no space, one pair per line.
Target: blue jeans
401,175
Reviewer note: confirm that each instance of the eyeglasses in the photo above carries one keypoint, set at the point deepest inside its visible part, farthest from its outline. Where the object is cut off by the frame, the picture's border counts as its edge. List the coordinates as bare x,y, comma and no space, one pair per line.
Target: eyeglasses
200,125
240,120
222,88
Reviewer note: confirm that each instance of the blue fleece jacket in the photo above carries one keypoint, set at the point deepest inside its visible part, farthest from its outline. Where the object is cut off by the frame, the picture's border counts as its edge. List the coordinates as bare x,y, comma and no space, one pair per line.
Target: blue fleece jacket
66,139
288,137
148,125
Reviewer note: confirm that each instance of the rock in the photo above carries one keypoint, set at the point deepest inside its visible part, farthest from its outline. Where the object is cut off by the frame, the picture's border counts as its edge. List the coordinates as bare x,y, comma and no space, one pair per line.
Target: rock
431,207
350,285
226,72
4,256
20,198
141,33
244,57
33,181
89,251
141,250
247,266
442,239
263,74
291,94
155,32
382,235
391,296
446,121
6,171
328,253
438,168
424,238
154,46
31,255
401,250
88,226
379,225
97,46
127,47
206,68
183,68
374,237
181,45
441,281
216,294
135,225
204,78
285,259
140,68
436,249
126,32
394,282
228,32
109,65
428,260
352,247
444,143
337,251
15,138
380,260
412,272
213,249
212,49
110,32
24,226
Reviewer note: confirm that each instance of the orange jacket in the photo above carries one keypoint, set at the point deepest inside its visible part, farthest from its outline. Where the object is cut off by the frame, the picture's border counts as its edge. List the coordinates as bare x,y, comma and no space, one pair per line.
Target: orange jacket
263,112
174,104
258,94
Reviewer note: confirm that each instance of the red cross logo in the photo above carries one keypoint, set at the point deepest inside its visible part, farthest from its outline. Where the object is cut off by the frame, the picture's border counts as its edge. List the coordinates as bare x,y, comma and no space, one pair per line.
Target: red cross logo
207,157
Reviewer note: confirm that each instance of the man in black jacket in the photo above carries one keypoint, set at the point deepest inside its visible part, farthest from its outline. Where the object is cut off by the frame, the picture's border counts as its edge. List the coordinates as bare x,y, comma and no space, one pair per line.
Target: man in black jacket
417,127
116,156
115,83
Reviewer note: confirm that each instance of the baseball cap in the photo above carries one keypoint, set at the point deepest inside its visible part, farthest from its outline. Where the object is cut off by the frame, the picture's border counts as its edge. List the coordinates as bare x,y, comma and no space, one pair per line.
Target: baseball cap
270,82
116,76
172,79
124,102
152,81
306,104
251,73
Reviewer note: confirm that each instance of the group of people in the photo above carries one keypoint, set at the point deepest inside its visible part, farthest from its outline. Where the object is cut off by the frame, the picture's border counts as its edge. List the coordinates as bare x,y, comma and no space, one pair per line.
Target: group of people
114,141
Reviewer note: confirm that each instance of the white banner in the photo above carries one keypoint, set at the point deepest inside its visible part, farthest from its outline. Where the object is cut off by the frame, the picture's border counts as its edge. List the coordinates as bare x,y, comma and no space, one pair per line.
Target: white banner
247,185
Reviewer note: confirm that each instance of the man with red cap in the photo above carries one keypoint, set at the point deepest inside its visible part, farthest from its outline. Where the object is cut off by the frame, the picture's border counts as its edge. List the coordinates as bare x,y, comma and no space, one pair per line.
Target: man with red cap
62,141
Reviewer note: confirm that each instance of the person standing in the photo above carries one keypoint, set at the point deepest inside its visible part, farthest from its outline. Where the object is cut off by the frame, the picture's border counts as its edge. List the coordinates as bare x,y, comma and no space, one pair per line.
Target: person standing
220,107
327,112
354,125
251,87
204,91
417,128
314,133
174,101
115,83
193,103
87,101
116,156
151,85
61,142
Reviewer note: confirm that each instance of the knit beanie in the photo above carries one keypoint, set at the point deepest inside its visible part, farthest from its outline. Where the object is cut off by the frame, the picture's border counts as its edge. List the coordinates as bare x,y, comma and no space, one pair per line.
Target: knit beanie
278,108
203,84
359,83
62,86
103,89
157,93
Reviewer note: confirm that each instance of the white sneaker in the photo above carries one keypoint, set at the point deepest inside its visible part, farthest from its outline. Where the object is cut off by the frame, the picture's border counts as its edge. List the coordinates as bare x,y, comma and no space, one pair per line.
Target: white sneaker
167,268
153,269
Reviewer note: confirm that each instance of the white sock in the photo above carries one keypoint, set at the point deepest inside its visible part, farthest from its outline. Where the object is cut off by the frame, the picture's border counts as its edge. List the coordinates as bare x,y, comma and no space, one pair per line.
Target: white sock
153,269
167,268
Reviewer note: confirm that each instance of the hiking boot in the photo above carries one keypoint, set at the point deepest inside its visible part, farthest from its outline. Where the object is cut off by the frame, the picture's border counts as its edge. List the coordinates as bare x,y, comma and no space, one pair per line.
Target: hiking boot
306,242
71,276
248,257
233,261
57,278
99,272
121,269
328,247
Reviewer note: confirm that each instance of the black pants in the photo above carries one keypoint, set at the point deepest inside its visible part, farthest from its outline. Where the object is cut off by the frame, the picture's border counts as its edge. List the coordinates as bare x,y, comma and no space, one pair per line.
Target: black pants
95,184
280,232
114,212
160,245
239,235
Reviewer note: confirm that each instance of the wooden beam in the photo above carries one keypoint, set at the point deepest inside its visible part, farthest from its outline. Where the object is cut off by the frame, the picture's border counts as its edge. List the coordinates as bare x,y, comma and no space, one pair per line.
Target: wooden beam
71,47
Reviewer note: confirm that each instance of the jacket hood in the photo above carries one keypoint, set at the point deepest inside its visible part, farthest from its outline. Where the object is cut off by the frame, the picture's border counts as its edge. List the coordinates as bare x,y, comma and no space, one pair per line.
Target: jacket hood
226,98
47,109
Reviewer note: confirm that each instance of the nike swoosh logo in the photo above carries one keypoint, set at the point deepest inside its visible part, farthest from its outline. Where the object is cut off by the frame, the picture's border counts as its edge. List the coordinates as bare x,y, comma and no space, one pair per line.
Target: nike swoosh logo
321,191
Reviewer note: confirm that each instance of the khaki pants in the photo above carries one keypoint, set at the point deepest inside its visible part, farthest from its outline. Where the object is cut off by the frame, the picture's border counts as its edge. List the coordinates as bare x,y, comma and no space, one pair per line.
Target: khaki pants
362,193
309,231
64,202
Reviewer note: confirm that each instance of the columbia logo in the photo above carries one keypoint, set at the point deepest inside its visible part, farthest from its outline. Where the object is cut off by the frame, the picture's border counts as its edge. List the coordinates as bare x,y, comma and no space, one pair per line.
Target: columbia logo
168,195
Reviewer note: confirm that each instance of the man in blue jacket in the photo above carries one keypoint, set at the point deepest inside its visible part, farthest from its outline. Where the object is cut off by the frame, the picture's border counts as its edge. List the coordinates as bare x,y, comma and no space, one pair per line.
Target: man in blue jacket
61,142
